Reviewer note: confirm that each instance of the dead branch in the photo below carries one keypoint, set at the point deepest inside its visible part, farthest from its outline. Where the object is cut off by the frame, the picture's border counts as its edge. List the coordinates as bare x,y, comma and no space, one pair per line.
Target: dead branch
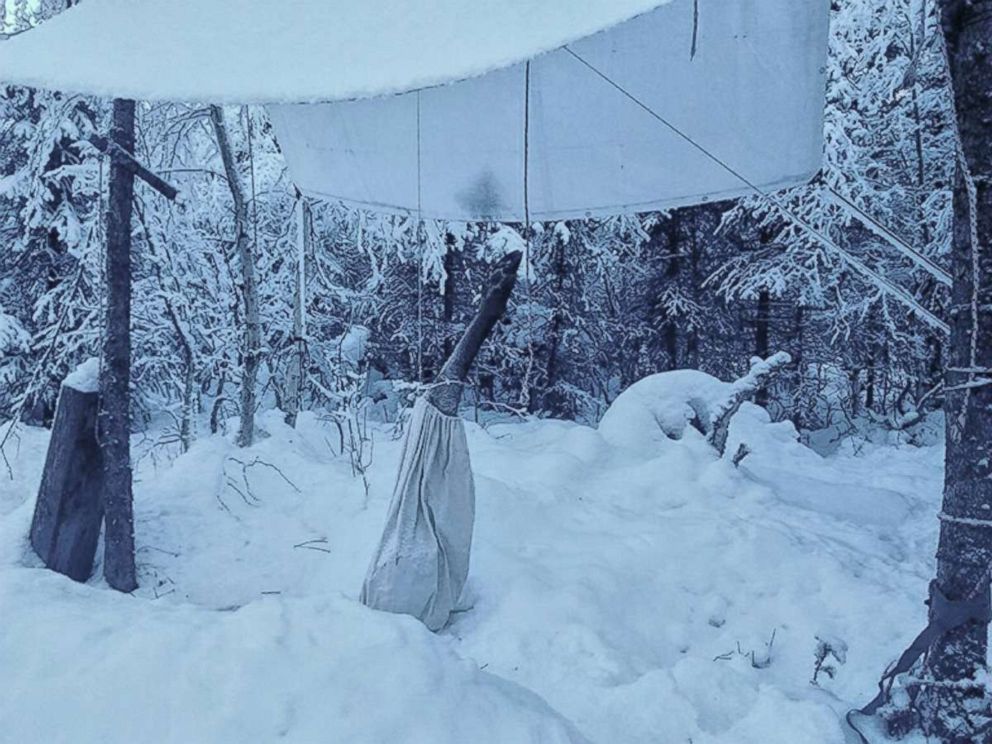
743,390
447,394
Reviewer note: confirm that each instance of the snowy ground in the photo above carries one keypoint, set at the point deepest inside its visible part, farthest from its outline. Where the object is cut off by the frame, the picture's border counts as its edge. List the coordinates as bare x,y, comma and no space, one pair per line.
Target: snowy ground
616,596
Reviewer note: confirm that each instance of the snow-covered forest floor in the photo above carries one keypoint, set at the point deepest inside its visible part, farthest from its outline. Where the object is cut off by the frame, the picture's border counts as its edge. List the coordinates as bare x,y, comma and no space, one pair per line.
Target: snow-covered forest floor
618,594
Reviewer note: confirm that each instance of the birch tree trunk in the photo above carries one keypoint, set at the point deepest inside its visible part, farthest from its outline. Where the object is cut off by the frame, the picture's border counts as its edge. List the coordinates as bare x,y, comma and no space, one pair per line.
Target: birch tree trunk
249,290
965,549
294,374
114,417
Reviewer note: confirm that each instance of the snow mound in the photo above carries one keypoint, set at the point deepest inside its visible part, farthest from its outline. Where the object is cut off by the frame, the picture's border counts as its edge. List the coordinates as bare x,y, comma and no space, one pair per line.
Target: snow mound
86,377
803,478
660,407
631,592
314,670
653,414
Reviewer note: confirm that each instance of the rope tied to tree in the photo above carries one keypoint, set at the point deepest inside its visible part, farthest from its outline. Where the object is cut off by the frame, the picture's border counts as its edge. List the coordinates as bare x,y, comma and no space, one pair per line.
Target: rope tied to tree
857,265
946,615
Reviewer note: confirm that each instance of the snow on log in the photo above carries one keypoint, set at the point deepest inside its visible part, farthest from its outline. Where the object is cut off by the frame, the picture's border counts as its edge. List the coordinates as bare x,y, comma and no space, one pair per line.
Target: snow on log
85,378
661,407
762,370
68,512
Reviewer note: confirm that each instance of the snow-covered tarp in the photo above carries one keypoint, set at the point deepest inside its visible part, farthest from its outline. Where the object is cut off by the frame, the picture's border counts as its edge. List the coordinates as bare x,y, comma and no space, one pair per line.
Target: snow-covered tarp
435,107
695,101
260,51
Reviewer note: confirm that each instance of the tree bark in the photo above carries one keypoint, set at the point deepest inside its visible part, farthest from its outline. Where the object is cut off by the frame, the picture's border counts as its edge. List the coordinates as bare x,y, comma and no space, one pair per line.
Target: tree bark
799,364
762,322
448,300
249,289
447,391
114,419
965,548
672,271
67,515
294,376
553,400
692,278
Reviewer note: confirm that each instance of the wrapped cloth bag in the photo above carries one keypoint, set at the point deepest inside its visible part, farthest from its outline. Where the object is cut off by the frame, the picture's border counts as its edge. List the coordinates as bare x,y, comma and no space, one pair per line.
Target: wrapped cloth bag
421,564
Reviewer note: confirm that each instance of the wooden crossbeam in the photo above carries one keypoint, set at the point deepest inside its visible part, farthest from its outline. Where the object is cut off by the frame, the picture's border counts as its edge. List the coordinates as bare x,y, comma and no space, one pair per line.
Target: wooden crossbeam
119,156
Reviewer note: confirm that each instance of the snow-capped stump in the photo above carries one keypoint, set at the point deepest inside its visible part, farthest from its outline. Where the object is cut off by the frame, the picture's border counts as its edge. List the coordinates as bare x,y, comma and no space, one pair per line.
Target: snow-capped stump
660,407
68,512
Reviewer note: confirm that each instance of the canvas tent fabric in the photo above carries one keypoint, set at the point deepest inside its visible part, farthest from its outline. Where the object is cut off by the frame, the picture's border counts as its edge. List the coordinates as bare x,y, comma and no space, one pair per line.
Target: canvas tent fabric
742,79
263,51
422,560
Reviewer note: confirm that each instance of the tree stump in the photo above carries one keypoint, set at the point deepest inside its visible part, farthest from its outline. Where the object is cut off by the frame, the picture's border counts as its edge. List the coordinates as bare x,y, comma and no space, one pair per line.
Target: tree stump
68,513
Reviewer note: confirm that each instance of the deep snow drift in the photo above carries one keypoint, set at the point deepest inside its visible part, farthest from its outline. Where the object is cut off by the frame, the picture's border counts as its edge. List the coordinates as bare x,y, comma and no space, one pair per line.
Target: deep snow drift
617,594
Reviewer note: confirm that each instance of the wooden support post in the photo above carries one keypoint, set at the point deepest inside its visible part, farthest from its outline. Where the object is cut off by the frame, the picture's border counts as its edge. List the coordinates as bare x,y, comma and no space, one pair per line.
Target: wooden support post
121,157
67,515
114,420
87,474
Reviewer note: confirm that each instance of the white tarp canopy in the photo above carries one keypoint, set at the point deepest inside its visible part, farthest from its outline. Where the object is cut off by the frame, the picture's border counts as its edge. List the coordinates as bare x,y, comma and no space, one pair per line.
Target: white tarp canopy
741,81
263,51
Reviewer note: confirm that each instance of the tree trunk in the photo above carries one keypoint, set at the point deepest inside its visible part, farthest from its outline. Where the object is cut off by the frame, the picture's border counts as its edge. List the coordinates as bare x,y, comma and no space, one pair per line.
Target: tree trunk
68,512
692,280
448,303
553,399
762,322
114,420
870,385
854,378
249,290
292,402
673,234
717,429
965,549
447,391
799,364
